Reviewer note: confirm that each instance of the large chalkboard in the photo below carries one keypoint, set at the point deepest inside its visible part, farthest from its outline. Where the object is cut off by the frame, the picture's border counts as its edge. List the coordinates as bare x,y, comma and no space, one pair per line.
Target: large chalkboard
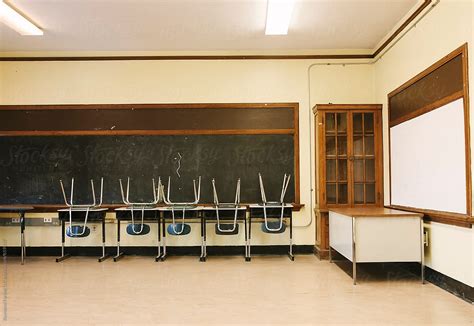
31,166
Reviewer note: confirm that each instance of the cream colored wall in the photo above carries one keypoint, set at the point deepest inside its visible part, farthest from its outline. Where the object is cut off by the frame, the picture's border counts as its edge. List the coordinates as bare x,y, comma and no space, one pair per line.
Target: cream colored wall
185,82
445,28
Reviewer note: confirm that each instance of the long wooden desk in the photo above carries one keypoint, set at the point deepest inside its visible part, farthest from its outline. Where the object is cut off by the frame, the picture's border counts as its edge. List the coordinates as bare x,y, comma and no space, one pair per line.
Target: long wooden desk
376,234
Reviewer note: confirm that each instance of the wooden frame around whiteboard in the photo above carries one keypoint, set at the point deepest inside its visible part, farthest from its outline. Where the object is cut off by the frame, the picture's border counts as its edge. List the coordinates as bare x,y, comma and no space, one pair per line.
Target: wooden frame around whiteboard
464,220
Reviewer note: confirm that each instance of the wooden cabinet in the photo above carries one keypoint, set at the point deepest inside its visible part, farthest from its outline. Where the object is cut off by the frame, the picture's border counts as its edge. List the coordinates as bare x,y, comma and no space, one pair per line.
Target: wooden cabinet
349,171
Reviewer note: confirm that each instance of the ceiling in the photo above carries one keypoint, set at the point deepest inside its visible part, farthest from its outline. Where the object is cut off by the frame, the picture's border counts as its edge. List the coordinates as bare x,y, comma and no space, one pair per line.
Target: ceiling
201,25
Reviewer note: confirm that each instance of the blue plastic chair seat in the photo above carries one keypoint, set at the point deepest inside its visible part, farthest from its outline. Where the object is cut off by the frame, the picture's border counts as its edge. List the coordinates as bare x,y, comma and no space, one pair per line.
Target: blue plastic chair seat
179,229
137,227
75,231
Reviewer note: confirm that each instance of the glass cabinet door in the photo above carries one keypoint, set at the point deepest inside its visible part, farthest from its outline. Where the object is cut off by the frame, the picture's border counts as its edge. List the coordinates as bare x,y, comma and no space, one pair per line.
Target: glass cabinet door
363,158
336,158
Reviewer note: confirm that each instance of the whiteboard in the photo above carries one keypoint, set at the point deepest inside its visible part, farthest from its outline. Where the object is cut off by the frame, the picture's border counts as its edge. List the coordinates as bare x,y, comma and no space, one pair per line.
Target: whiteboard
428,160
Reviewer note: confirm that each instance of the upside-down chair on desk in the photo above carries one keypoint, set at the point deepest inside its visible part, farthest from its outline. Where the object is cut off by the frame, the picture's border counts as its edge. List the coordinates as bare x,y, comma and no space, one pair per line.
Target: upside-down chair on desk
273,214
178,210
222,214
147,211
83,213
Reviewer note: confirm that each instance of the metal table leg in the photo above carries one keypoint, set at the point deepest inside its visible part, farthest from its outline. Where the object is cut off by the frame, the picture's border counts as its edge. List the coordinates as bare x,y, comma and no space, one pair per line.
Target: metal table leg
104,255
246,239
354,256
205,239
63,240
158,256
163,229
249,257
422,252
22,236
290,253
203,257
119,254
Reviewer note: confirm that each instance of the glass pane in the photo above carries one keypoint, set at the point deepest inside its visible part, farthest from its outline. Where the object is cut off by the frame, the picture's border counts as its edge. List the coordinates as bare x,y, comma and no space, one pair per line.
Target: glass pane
341,122
359,193
342,193
330,122
370,193
369,170
369,145
342,145
342,170
330,170
358,145
330,145
331,193
358,170
357,122
368,122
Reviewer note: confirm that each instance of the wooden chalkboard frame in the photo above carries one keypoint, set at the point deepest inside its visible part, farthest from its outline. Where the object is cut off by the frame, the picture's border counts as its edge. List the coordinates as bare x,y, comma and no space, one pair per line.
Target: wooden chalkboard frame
201,109
462,91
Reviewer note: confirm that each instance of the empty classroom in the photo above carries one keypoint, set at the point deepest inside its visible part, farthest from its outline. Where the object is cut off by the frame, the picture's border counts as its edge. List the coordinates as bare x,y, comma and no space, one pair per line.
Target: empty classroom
236,162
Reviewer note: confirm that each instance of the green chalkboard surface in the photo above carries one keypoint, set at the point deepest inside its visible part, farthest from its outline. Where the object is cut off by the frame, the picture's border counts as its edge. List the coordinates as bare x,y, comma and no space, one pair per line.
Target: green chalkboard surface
31,166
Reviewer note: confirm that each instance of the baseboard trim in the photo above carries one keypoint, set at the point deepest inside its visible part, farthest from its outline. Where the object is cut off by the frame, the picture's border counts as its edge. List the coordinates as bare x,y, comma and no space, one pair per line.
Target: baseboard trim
170,250
320,253
459,289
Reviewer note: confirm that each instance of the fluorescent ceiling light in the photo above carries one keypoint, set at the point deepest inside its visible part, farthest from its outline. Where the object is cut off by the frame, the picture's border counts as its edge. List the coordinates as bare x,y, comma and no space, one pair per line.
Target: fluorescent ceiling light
278,16
16,21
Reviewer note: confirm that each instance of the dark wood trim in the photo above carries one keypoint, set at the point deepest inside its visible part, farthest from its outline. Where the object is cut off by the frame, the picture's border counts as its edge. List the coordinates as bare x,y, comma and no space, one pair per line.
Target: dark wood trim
427,108
296,148
335,107
147,132
380,168
459,51
410,19
467,128
431,215
194,57
322,254
151,106
456,219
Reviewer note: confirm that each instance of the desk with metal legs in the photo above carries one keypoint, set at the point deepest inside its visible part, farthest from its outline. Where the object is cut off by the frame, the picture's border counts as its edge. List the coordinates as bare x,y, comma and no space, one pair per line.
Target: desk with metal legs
20,210
150,214
273,212
175,215
95,215
376,235
223,218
